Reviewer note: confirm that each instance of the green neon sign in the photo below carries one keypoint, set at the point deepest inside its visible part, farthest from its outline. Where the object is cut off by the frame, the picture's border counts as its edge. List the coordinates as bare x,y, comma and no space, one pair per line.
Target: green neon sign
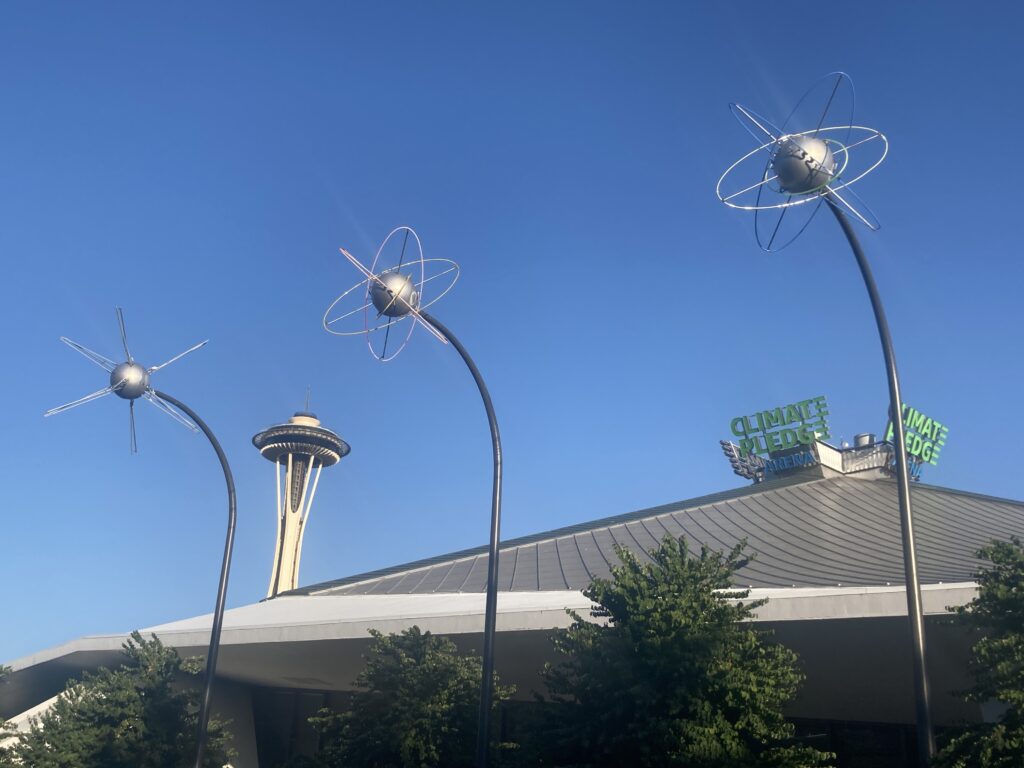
787,426
924,436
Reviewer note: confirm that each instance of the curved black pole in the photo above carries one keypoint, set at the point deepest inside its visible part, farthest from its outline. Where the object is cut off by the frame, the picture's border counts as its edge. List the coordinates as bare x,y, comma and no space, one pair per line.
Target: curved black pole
222,588
925,737
491,608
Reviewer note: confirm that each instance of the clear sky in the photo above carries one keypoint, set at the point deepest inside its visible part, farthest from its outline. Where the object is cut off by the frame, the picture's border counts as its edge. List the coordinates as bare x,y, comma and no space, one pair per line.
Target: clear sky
200,165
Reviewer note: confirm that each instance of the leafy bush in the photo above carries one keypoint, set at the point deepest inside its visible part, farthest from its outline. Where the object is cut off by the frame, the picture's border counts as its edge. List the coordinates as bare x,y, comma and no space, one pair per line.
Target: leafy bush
675,675
132,717
997,614
417,706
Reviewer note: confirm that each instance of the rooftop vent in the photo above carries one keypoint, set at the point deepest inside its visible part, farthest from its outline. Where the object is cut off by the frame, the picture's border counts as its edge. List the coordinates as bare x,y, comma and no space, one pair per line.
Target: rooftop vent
863,440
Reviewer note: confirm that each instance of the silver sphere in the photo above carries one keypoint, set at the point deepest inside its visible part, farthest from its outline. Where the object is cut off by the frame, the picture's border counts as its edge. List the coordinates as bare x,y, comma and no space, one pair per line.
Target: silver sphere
396,297
803,164
135,378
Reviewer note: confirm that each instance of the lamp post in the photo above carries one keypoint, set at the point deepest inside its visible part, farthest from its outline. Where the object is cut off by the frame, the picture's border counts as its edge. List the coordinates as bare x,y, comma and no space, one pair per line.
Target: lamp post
395,294
130,381
801,171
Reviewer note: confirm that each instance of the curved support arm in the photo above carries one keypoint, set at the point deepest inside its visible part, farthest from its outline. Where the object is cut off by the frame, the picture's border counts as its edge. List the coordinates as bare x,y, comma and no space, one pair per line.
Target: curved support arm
222,588
491,607
925,736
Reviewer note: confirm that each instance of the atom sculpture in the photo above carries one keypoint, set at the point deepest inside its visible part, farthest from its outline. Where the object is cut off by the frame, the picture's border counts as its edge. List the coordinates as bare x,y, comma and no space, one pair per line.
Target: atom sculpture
387,296
806,162
129,380
390,295
799,167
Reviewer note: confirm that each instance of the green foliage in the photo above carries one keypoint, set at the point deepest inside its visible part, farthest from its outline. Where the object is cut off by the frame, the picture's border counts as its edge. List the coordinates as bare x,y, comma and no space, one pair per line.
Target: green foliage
131,717
5,730
675,675
417,706
997,614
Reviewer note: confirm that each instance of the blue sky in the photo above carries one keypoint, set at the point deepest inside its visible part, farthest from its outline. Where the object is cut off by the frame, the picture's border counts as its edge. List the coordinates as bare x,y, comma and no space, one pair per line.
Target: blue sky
200,166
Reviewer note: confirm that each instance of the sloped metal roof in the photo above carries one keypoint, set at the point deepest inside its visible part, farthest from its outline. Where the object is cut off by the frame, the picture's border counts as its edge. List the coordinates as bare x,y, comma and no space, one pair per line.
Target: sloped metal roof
808,532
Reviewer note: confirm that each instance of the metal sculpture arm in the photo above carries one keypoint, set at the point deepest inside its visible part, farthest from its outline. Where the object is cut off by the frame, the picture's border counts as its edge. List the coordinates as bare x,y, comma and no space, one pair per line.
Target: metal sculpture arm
394,295
914,607
222,587
796,167
129,380
491,606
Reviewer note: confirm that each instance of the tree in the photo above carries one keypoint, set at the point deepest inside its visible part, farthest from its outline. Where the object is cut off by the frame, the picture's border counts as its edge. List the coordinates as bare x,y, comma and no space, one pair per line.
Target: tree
674,675
5,731
997,614
417,706
131,717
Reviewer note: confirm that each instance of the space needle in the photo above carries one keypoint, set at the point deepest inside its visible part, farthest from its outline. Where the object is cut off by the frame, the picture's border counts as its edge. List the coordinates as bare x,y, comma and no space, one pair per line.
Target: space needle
300,450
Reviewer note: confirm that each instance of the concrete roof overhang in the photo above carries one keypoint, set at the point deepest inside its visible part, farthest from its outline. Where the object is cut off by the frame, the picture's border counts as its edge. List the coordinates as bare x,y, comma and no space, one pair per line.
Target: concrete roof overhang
853,644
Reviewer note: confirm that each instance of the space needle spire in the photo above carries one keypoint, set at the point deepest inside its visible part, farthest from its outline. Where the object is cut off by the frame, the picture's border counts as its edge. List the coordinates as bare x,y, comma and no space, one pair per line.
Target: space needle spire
300,450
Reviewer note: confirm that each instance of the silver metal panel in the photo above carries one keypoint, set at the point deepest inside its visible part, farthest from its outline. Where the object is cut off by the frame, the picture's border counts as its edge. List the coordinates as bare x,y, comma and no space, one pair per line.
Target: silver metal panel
526,568
456,578
549,567
573,566
476,580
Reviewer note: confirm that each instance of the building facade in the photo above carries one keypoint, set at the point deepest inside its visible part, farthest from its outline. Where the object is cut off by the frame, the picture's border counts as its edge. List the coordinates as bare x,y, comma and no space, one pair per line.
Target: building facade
827,555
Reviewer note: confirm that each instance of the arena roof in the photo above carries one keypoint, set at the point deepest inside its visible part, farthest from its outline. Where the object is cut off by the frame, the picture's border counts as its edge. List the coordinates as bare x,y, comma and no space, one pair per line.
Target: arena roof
803,532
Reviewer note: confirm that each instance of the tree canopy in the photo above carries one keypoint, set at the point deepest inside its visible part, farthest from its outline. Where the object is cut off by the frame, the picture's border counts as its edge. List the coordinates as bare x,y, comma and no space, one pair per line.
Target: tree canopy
416,706
997,615
134,716
674,674
5,731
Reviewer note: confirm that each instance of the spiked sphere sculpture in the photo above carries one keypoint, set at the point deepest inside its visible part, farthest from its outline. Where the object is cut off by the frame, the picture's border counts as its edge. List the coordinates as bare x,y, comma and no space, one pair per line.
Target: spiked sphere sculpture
130,380
803,165
395,294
